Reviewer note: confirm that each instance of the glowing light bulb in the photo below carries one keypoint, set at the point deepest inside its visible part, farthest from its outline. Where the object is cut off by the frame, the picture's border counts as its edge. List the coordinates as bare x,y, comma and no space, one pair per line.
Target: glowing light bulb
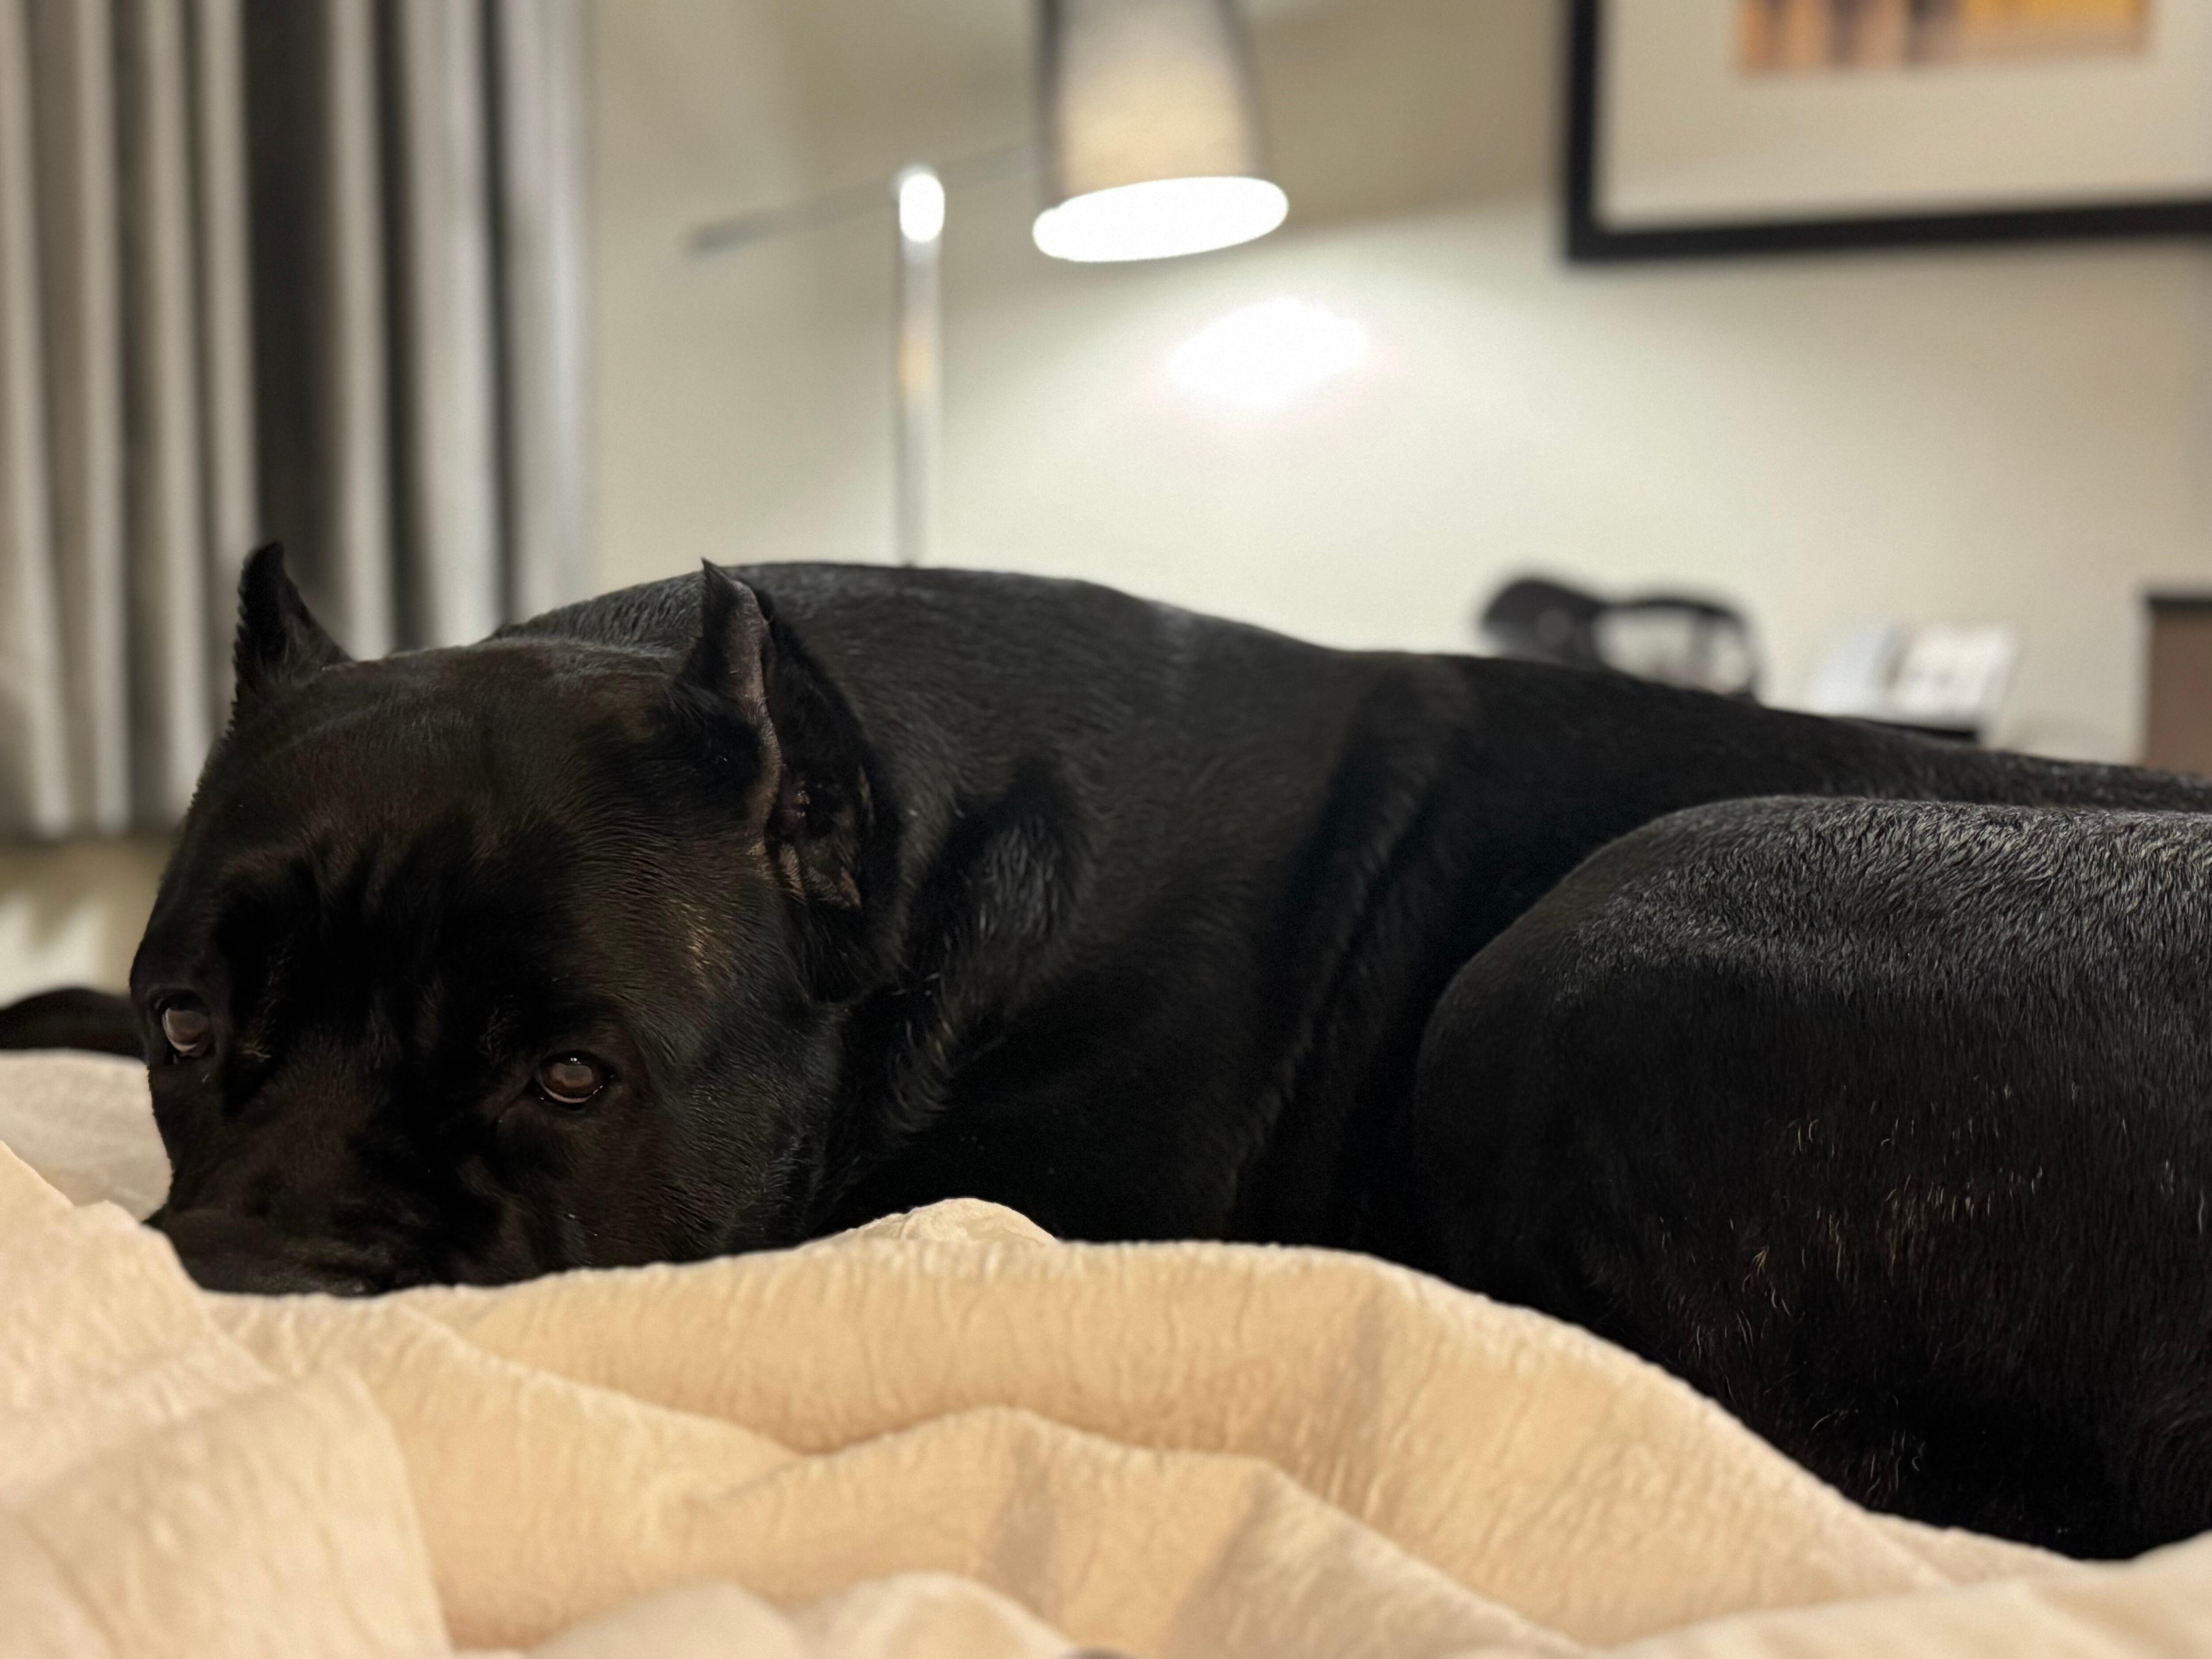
1160,219
920,205
1263,356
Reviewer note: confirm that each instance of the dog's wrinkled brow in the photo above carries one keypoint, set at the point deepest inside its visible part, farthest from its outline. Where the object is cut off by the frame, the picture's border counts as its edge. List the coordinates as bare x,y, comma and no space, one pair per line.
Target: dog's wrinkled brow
414,940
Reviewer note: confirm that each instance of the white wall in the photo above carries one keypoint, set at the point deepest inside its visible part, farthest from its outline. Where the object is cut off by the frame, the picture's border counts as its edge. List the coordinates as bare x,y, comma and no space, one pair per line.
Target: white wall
2010,436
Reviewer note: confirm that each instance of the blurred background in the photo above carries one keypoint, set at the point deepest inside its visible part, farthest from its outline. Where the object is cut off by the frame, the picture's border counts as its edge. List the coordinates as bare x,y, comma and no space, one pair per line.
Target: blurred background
1360,428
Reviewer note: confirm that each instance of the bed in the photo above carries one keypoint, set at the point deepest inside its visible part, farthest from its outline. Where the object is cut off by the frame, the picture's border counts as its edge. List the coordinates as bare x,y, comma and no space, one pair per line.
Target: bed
943,1434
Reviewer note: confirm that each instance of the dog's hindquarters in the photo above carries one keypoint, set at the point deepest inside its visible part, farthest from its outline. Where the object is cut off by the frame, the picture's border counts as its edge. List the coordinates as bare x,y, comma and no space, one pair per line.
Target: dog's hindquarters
1885,1124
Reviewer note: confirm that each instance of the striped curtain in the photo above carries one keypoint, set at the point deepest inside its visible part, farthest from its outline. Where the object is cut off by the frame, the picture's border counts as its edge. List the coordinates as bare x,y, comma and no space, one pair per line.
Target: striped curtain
309,269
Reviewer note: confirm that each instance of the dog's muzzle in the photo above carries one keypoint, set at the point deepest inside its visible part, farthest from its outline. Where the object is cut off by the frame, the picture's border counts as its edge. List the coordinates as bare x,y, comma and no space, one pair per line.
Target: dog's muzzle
223,1251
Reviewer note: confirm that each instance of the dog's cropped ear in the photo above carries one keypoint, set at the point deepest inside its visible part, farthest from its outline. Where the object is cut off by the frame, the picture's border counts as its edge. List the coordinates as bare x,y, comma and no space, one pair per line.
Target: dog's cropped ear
770,721
720,694
729,660
279,640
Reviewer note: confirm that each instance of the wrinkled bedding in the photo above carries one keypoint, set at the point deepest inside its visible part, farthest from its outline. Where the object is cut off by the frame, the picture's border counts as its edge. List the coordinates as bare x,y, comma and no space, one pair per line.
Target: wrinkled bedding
944,1434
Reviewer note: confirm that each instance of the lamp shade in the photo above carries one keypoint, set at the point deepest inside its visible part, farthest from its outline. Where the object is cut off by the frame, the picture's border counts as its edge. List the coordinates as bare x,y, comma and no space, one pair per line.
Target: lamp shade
1152,131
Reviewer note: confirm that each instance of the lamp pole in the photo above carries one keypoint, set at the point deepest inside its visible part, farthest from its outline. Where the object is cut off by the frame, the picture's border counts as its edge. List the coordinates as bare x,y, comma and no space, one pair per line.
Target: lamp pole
918,363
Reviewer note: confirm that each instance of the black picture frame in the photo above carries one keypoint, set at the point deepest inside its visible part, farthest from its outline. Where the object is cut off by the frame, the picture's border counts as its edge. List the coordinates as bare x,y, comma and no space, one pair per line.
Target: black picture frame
1590,241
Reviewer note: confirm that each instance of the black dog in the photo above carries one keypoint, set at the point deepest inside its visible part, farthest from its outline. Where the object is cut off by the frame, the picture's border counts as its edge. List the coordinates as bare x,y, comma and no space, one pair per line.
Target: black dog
718,914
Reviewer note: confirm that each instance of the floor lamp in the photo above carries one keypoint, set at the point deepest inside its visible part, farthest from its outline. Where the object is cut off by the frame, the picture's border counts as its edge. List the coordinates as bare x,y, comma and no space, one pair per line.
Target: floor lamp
1152,148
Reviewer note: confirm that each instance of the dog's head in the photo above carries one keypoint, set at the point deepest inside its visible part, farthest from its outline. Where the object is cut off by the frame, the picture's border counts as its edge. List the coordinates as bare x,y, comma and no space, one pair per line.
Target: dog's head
472,964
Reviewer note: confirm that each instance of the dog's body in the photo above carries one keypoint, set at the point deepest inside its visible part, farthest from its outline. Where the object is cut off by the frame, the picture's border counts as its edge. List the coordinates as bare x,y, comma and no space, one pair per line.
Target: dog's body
924,885
1218,878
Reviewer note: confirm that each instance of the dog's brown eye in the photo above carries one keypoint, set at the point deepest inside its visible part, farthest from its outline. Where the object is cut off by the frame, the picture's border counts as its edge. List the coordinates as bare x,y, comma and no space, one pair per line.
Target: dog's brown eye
187,1027
570,1080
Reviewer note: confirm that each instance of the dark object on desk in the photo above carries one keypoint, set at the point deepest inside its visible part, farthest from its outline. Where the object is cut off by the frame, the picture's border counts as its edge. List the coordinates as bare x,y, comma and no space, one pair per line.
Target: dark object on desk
2178,697
1666,637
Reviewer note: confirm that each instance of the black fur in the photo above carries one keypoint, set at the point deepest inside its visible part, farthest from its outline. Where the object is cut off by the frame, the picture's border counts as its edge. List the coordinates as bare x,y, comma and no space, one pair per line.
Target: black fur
1884,1124
872,887
92,1021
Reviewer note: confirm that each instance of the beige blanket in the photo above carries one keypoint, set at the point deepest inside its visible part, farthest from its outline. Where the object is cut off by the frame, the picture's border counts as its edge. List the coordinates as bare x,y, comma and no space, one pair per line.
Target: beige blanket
942,1435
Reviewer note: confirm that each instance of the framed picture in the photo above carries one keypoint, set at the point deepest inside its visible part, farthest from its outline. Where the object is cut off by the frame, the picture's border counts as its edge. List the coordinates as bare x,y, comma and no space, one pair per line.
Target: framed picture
1737,126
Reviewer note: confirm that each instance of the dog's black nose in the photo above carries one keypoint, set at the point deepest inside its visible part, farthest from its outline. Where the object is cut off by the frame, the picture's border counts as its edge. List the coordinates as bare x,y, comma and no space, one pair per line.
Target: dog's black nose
226,1252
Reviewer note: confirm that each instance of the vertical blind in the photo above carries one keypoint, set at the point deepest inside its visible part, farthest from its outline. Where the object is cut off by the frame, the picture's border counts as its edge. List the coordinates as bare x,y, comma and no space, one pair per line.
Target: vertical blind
309,269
